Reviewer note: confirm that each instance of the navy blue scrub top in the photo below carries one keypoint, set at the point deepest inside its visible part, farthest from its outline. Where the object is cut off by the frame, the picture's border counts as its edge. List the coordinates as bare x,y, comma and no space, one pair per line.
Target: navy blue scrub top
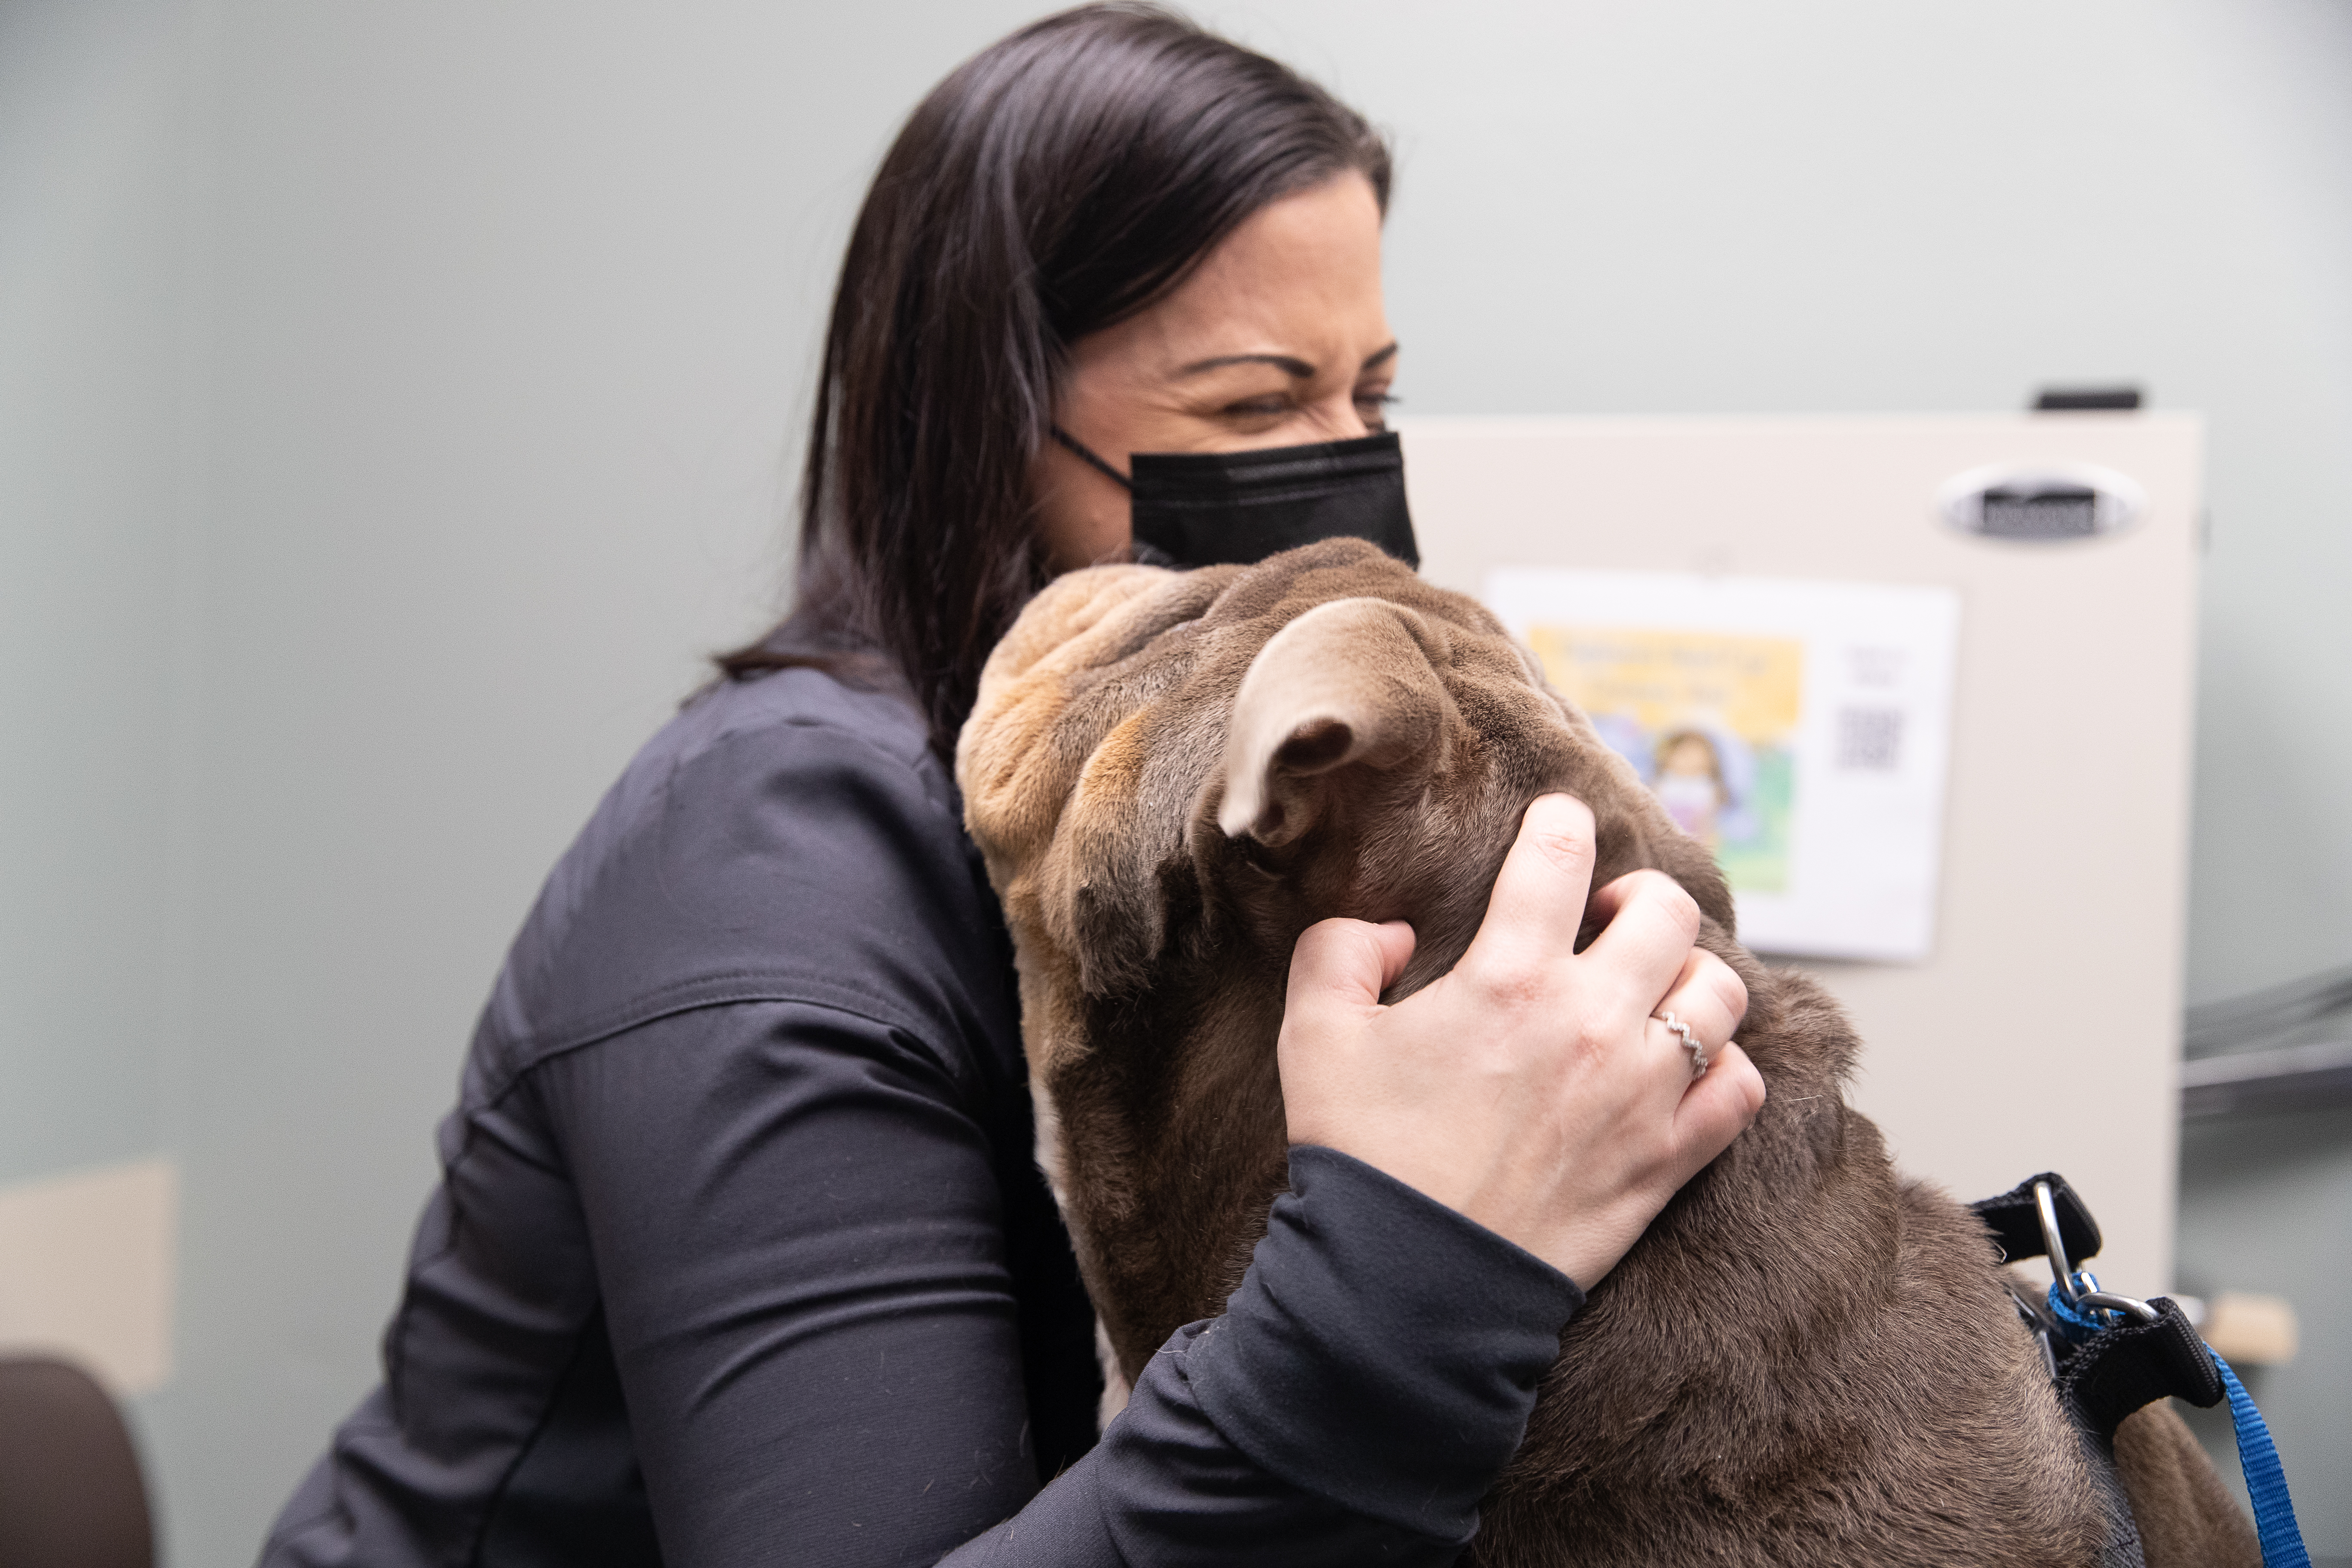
740,1253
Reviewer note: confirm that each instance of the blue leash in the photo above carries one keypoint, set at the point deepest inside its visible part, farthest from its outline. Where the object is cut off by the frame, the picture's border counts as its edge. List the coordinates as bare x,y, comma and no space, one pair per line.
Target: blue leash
2265,1478
2257,1454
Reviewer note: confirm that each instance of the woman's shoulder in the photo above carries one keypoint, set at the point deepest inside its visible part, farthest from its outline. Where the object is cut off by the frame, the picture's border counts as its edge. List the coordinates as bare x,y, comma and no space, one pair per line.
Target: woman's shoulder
789,837
869,722
786,749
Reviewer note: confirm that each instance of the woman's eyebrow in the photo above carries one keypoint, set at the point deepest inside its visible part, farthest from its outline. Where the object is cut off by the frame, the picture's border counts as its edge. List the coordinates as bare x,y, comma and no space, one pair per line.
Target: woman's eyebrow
1283,362
1288,364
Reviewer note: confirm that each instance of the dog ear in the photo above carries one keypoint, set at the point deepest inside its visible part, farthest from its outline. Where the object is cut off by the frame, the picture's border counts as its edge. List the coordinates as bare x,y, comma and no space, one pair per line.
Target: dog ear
1347,685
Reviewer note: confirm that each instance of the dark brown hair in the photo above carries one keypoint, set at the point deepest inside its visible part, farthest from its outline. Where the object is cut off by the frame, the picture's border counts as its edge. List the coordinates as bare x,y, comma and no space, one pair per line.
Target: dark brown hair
1056,183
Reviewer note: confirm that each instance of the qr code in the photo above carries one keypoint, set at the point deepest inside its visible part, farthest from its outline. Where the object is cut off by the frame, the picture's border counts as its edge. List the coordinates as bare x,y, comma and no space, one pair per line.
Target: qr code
1870,739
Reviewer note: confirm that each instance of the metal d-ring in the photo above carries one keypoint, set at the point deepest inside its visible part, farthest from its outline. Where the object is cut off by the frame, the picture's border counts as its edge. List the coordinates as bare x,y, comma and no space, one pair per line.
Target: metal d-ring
2090,1296
2114,1303
2046,1207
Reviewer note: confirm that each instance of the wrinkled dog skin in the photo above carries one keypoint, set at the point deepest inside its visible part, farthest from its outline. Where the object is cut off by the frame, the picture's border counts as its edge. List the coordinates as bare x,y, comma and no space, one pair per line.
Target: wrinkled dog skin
1173,775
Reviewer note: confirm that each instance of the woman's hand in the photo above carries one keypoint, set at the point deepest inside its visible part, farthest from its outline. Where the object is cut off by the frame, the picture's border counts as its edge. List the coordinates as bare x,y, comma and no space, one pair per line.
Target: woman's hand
1530,1089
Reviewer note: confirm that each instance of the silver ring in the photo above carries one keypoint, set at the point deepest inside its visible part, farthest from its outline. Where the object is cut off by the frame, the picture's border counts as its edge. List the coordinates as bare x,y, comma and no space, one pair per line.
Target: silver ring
1690,1041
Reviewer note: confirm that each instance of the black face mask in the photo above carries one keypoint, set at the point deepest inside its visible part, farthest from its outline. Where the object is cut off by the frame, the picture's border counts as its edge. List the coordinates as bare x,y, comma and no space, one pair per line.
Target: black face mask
1211,509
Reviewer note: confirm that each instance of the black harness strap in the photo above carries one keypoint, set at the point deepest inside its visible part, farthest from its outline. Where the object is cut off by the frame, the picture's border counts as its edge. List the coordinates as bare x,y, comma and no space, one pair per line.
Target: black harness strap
2106,1365
2110,1355
2016,1226
2121,1369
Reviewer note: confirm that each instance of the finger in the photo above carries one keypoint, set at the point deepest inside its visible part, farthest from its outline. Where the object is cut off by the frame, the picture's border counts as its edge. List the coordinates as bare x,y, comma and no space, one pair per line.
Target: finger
1340,966
1397,942
1718,1106
1708,997
1643,947
1538,899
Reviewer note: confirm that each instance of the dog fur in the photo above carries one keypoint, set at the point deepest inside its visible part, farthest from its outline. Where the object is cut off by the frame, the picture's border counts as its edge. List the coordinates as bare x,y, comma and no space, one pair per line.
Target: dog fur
1806,1359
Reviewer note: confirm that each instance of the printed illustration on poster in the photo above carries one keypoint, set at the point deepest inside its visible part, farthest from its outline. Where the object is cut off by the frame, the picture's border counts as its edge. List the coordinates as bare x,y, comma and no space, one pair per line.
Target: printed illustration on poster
1799,729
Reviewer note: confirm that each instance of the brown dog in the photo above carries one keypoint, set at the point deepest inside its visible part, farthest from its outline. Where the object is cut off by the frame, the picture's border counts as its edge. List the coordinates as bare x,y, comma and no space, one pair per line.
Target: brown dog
1173,775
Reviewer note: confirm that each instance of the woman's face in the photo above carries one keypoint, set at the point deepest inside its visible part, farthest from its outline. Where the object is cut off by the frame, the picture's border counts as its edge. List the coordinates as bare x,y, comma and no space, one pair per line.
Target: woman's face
1278,338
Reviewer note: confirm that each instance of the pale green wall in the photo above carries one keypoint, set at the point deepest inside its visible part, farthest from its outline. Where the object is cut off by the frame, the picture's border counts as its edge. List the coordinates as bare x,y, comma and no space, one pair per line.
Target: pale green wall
95,488
395,399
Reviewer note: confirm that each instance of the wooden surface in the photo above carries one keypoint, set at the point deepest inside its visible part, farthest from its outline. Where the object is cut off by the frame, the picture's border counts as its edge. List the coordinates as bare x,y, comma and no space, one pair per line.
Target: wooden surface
2044,1031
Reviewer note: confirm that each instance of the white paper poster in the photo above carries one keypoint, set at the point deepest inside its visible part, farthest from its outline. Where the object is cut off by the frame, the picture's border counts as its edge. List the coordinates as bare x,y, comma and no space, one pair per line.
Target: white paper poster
1800,729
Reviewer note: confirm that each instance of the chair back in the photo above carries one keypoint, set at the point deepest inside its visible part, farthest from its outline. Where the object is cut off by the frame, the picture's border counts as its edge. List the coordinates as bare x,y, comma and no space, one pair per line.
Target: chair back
70,1491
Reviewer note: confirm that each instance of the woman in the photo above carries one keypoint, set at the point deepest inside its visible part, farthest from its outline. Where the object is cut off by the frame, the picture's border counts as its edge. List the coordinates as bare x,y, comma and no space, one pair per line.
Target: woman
740,1253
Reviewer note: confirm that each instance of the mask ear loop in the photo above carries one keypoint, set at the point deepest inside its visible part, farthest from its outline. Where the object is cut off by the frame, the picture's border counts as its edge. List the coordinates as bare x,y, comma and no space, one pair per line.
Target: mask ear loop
1074,445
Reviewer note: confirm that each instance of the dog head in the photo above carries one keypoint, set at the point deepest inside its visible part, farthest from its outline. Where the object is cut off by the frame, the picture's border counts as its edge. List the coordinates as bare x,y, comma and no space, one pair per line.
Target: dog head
1225,756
